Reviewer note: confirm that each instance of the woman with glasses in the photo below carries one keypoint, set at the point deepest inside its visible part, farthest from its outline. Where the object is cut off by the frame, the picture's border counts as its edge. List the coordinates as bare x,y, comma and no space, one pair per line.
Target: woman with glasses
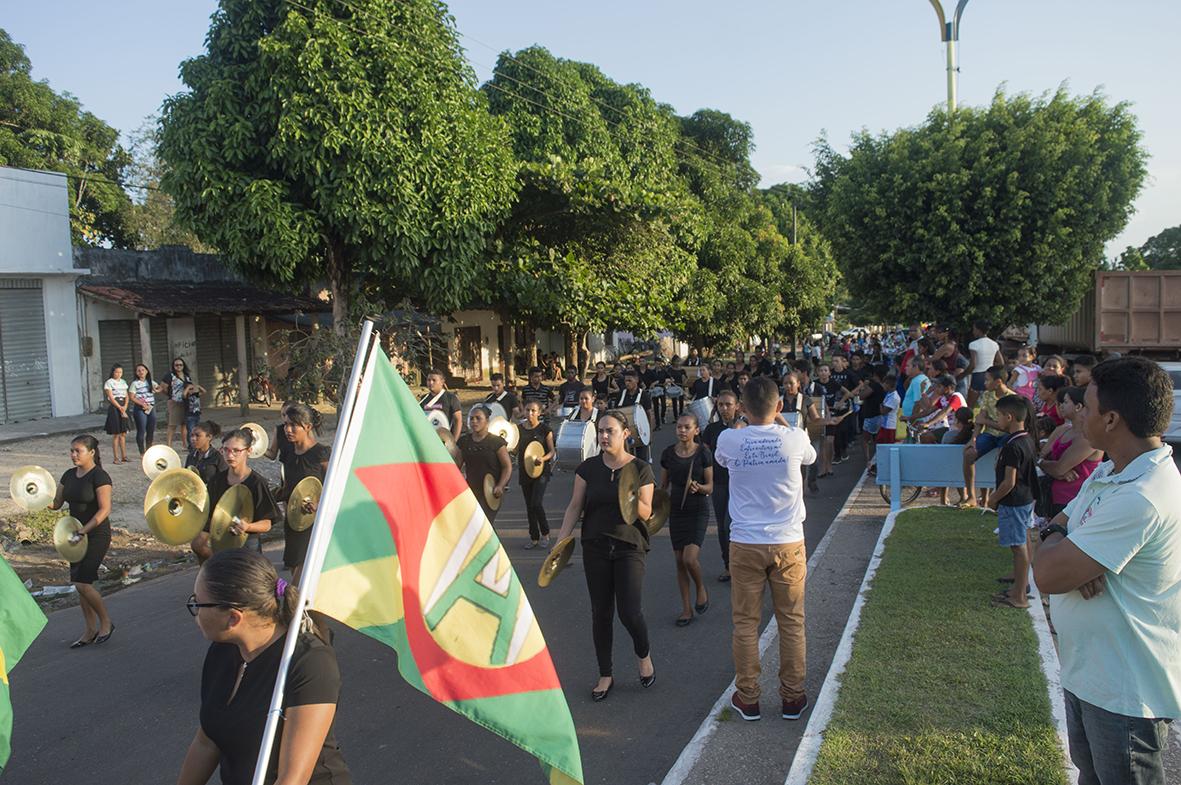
235,448
87,489
207,461
306,458
173,385
244,609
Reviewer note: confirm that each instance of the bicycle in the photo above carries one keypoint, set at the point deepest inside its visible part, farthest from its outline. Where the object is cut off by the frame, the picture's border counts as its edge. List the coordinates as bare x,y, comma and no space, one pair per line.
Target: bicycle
260,388
910,493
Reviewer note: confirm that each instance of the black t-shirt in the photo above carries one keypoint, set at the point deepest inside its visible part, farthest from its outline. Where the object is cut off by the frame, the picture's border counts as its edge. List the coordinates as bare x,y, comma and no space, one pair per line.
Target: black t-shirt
543,395
764,368
480,458
830,390
236,726
1018,452
81,494
602,387
265,508
702,388
709,437
600,512
872,405
568,392
282,443
508,401
678,475
624,398
676,375
528,435
650,377
447,403
310,464
206,465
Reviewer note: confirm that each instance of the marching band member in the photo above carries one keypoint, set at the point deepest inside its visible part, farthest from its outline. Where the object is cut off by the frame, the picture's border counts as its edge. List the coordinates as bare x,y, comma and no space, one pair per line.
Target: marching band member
87,490
512,407
586,411
675,375
727,411
654,381
613,549
601,382
705,386
439,398
632,395
536,391
694,358
206,460
688,469
482,453
569,390
306,458
535,429
279,443
235,446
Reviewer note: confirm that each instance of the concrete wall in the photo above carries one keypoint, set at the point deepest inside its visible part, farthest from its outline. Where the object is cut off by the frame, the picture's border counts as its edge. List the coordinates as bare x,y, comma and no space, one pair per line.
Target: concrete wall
62,342
167,263
182,342
93,372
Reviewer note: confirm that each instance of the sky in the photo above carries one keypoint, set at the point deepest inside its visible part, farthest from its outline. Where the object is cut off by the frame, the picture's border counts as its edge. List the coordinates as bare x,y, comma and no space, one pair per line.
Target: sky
793,69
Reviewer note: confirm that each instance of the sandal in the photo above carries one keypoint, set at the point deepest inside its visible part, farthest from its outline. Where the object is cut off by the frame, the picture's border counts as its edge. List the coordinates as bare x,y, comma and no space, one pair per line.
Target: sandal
1005,600
78,644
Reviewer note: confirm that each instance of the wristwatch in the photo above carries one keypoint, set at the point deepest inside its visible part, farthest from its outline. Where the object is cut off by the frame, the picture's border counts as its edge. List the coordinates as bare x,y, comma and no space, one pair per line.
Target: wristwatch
1053,528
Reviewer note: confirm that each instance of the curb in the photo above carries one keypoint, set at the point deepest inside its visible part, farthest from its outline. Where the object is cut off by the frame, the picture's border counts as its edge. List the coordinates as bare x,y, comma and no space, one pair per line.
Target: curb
1051,669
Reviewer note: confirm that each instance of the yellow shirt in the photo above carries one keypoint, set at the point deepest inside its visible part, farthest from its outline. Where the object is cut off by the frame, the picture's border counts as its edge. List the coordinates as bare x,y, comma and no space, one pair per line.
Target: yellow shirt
987,410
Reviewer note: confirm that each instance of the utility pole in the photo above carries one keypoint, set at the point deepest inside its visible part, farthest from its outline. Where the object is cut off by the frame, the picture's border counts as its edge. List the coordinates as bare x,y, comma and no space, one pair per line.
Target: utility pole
949,32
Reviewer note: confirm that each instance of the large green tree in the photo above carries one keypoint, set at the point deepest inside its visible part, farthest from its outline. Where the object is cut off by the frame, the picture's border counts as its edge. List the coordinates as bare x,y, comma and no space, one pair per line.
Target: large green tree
998,212
42,129
339,141
1163,251
810,274
153,220
599,232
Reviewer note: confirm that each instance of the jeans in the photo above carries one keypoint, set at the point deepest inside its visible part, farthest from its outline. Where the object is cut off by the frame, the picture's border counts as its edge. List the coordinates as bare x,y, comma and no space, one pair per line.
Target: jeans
785,568
534,491
145,428
615,580
721,502
1112,749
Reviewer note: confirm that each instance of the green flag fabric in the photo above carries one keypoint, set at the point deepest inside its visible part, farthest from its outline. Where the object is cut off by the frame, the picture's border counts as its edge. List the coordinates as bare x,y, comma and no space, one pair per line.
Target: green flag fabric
20,623
412,561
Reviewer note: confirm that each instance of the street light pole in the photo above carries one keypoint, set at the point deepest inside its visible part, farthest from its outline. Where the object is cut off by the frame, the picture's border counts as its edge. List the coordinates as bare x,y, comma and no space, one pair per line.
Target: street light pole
949,32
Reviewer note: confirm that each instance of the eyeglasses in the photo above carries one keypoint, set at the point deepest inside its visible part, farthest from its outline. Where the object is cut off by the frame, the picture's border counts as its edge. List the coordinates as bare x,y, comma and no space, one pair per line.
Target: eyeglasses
233,450
195,606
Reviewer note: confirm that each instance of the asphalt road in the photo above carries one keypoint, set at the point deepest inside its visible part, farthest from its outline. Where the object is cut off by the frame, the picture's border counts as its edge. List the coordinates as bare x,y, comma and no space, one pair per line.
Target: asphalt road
125,712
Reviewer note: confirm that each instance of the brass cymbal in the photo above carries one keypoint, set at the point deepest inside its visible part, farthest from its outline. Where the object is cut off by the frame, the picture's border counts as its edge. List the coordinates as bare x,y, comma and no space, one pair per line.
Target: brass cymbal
236,502
557,559
449,442
307,489
492,499
531,462
32,488
261,440
62,530
505,429
662,506
438,419
158,459
177,484
629,492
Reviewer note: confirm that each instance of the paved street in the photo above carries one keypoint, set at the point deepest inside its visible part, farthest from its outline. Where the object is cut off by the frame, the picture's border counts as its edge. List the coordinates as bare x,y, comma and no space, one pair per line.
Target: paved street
125,712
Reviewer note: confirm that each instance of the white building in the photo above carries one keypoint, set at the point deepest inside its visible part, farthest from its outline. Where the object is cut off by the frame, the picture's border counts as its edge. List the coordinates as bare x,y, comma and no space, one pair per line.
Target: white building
40,353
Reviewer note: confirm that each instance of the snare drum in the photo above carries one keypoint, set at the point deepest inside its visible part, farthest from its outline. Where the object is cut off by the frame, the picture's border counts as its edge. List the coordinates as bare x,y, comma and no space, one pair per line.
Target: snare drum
577,441
703,410
656,391
496,409
673,391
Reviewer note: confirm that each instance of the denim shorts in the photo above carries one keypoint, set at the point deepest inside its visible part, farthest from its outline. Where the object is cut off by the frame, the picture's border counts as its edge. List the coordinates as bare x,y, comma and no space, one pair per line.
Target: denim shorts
872,424
1012,523
987,442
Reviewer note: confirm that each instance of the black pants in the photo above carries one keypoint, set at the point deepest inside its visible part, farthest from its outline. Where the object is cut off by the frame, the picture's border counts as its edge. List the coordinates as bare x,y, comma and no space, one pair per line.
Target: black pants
846,435
534,492
660,404
721,501
614,580
678,407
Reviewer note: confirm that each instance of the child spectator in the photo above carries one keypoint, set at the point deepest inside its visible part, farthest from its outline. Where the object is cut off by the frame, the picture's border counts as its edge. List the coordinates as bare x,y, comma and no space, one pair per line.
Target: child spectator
1016,479
1047,397
192,397
1082,370
1025,374
961,428
947,402
988,434
1055,365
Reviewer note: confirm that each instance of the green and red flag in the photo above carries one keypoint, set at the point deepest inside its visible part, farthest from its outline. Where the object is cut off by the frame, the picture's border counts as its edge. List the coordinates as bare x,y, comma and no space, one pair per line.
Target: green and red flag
412,561
20,623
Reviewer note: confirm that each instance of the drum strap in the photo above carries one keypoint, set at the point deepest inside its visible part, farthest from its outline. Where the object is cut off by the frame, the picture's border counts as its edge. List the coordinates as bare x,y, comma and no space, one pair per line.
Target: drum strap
424,403
709,391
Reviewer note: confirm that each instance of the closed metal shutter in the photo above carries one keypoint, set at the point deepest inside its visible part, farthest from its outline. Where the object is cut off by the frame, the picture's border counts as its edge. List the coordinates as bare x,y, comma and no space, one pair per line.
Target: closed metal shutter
208,334
118,342
24,358
160,357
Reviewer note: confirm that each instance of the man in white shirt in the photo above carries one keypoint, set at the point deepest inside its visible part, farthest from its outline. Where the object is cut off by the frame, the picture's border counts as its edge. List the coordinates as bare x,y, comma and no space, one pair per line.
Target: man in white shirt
764,461
985,354
1111,563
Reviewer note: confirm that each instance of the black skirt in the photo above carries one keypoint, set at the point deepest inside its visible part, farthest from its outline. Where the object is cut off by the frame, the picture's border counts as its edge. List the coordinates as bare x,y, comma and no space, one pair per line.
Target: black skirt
98,542
687,527
116,422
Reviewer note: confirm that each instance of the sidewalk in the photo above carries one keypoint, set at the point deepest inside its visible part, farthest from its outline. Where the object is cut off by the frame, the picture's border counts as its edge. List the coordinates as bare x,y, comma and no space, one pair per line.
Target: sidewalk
50,426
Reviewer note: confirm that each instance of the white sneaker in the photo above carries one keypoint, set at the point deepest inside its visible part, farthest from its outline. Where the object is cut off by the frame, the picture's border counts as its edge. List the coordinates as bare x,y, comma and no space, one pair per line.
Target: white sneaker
545,541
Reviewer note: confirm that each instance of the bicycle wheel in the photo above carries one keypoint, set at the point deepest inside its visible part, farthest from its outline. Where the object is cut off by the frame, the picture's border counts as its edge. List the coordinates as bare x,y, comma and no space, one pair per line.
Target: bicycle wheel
909,493
257,393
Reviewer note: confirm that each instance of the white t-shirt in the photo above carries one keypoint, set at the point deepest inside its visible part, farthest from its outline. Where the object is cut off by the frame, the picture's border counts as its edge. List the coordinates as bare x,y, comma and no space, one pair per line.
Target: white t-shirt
890,406
984,351
766,485
118,387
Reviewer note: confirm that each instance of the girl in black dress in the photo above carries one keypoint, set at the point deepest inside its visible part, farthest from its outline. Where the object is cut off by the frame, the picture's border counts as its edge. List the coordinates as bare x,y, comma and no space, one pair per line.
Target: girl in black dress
534,430
481,454
118,420
235,447
87,490
689,478
306,458
207,461
244,608
613,549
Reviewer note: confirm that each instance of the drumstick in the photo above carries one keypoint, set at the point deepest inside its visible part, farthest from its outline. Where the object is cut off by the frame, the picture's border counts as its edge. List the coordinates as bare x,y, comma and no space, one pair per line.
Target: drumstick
688,480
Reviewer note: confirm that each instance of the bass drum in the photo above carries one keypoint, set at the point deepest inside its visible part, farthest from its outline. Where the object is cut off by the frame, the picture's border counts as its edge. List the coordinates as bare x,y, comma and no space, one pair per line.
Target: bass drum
496,409
637,423
565,412
703,410
577,441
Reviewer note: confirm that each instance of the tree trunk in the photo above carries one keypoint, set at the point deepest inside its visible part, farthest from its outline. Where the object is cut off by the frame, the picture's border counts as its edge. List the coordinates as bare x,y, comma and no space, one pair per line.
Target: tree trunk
583,355
571,348
507,364
338,281
533,348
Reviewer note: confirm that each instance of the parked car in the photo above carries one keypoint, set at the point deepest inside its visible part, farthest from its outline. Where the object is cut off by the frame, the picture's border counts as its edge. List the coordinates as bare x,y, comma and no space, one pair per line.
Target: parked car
1173,435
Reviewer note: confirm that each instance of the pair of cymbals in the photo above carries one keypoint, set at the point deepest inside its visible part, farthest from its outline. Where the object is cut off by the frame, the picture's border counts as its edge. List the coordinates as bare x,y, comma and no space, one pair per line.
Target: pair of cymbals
449,442
505,429
531,460
306,490
158,459
175,506
32,488
555,561
662,506
629,500
63,531
491,498
261,442
235,506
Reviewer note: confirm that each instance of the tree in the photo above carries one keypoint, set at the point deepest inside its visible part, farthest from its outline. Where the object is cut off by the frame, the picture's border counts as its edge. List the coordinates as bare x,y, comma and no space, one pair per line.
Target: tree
345,142
41,129
1130,259
999,213
810,273
152,220
1163,251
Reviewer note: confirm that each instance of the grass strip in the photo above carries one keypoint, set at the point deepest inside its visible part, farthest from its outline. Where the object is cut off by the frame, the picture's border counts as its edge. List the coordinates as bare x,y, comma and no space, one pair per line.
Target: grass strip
941,687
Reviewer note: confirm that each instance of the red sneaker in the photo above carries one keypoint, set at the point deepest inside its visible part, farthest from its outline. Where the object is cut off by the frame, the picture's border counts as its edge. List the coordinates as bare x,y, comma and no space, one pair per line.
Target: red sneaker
747,711
792,710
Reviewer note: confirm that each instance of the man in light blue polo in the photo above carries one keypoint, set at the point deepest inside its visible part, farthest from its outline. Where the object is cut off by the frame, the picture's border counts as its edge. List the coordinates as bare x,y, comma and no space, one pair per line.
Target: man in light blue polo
1111,562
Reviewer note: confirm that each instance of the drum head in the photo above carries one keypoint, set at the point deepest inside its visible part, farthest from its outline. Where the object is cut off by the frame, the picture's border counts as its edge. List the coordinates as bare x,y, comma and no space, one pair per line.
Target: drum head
643,428
438,419
590,440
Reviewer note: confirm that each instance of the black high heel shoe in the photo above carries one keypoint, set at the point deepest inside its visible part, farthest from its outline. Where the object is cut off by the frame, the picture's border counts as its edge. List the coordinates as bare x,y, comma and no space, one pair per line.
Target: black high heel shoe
78,644
600,695
649,680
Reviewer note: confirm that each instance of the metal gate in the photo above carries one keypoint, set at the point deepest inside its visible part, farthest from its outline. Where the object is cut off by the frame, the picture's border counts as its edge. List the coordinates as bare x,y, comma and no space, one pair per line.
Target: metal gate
24,358
217,359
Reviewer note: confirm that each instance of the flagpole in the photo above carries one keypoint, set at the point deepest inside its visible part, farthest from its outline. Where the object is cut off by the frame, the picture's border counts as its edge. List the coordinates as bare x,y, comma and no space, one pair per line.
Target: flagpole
344,423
